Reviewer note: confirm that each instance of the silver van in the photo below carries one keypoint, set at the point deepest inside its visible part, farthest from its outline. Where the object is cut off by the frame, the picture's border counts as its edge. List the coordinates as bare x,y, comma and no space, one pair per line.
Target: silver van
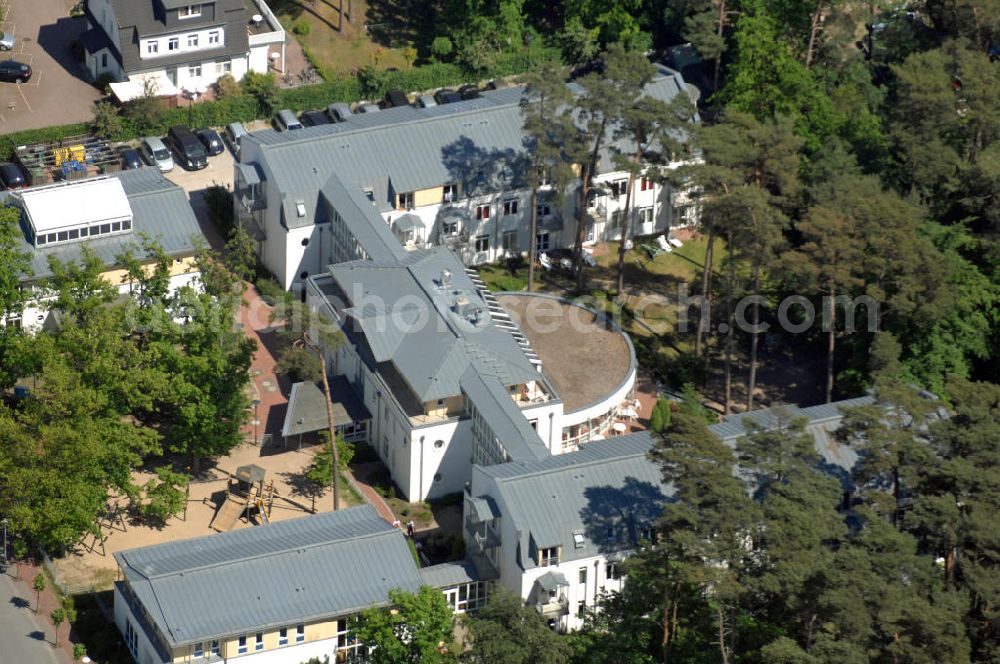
235,131
157,154
338,112
286,121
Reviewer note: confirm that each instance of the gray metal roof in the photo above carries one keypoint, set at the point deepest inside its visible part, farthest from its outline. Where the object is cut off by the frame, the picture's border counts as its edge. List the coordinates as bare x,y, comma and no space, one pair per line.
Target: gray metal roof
821,421
359,215
284,573
405,148
492,399
606,485
404,316
551,580
160,210
307,407
450,574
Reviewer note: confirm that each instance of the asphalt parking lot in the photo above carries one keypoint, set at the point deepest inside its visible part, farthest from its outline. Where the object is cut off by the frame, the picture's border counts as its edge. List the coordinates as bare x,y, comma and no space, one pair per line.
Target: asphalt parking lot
57,92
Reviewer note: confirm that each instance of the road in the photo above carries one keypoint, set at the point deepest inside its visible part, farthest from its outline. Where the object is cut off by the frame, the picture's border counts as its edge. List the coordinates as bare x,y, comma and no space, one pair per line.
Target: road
22,635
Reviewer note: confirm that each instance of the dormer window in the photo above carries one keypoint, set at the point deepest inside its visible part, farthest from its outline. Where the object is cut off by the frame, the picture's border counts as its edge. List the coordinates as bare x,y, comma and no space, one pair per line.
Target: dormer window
578,541
548,557
189,11
404,201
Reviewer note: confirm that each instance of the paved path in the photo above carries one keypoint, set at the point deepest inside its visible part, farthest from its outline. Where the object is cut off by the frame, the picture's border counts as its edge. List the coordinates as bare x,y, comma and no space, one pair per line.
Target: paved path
23,635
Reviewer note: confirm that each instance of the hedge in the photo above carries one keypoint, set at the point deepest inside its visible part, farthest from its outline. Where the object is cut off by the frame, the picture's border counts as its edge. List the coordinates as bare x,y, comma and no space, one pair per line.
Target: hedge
244,108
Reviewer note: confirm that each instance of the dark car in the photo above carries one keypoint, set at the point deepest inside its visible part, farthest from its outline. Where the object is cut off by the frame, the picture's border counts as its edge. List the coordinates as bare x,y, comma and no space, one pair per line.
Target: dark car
446,96
13,71
211,140
469,92
496,84
131,159
11,176
188,148
314,118
394,98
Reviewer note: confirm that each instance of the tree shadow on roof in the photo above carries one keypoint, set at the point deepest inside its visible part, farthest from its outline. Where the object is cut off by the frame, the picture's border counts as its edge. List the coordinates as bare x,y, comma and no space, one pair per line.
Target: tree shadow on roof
616,517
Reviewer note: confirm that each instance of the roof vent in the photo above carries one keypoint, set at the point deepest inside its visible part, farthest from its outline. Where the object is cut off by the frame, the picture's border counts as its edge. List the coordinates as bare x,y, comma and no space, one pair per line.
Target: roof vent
445,277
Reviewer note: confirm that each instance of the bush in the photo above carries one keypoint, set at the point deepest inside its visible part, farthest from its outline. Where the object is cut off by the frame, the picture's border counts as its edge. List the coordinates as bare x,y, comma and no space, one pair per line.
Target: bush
270,290
219,202
659,420
107,122
301,28
441,48
227,86
299,365
166,496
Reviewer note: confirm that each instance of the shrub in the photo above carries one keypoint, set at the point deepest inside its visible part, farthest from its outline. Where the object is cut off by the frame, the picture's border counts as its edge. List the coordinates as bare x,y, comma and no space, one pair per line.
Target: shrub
659,420
441,48
227,86
301,28
372,82
107,122
166,496
264,88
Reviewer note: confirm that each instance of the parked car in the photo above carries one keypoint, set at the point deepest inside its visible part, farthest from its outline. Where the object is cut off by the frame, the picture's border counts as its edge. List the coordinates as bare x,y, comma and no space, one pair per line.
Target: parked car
285,120
338,112
367,108
446,96
157,154
425,101
496,84
469,91
187,147
210,139
11,176
235,131
131,159
394,98
7,41
13,71
314,118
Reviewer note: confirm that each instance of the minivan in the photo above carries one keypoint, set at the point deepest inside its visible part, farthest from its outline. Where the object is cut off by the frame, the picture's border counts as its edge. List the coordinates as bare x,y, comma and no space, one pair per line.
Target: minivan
188,147
285,120
157,154
338,112
235,131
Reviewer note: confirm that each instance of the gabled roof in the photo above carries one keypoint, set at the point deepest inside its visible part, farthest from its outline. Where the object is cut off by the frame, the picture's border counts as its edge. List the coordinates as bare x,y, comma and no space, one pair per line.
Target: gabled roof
403,315
316,567
160,209
404,148
490,397
307,413
573,500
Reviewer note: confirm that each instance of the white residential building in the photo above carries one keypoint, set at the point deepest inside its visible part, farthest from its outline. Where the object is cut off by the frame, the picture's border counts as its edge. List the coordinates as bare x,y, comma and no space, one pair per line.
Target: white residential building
108,215
178,44
450,175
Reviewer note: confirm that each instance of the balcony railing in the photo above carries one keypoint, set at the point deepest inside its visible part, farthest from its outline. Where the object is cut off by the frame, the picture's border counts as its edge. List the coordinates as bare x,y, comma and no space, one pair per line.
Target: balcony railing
556,607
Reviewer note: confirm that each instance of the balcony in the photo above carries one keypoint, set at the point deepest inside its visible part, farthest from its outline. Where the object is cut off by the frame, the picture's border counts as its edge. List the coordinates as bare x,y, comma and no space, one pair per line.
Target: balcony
558,606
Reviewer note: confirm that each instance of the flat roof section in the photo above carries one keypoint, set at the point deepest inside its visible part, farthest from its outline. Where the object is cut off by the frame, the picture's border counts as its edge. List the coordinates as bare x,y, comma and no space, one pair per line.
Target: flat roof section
584,357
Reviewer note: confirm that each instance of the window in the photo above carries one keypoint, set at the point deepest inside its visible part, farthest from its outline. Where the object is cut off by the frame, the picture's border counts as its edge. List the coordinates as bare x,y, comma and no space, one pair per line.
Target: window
404,201
581,608
583,575
259,641
300,209
215,647
173,43
74,234
370,195
578,541
646,215
609,535
617,216
611,571
482,243
449,227
199,650
548,557
213,37
645,184
483,211
450,193
645,534
132,638
194,71
116,226
543,210
224,67
40,240
152,47
300,633
542,241
192,41
509,240
105,229
189,11
510,207
62,236
126,226
618,188
104,60
241,645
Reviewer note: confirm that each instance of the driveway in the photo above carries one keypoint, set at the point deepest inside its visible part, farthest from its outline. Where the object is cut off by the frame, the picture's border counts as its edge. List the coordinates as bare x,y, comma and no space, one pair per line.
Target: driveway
219,172
57,92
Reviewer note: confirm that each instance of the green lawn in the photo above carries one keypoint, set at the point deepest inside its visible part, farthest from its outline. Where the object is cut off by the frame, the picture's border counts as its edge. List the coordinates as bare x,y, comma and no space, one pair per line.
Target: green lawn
340,47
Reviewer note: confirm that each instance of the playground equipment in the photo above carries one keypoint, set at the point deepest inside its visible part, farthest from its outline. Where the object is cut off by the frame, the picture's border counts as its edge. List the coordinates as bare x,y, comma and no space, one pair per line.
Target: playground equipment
246,493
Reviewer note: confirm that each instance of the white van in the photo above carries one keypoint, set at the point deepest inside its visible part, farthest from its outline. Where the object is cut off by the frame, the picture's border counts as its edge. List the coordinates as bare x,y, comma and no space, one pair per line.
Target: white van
235,131
285,120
